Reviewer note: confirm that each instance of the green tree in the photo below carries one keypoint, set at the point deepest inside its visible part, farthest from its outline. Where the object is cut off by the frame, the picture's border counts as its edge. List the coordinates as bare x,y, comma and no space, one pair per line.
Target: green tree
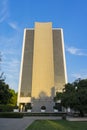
74,95
13,99
5,94
58,96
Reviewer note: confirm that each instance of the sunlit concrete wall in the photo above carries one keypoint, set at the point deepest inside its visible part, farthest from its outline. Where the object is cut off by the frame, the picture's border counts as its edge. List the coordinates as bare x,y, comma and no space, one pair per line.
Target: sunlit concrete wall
43,65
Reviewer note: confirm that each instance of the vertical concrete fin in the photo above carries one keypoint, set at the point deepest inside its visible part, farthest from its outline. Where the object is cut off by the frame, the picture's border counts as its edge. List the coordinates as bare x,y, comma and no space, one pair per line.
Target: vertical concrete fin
43,66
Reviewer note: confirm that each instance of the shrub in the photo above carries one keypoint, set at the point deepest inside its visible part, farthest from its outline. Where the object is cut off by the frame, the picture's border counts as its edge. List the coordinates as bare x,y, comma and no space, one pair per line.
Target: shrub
28,106
6,108
45,114
11,115
16,107
43,107
55,107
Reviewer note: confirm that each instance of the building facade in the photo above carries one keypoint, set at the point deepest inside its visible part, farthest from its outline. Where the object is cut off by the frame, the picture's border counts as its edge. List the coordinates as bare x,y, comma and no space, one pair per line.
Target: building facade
43,66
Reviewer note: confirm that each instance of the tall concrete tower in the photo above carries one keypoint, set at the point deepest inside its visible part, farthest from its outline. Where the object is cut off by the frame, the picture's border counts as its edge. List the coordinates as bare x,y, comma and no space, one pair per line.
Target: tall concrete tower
43,67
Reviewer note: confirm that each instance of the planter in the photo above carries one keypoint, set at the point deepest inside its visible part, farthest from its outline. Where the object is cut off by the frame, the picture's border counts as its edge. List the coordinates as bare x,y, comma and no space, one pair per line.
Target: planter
43,110
29,110
55,110
68,110
15,110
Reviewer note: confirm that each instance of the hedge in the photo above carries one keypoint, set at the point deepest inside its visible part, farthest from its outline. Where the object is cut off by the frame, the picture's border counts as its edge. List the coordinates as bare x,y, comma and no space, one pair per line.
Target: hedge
6,108
11,115
45,114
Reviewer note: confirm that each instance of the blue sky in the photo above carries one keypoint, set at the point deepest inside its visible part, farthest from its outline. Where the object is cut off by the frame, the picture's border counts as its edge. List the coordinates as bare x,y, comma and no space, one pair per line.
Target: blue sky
71,15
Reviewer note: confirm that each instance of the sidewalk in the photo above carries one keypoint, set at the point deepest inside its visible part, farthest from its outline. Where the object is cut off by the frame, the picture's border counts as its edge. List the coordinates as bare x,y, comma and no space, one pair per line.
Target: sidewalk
76,119
15,124
21,124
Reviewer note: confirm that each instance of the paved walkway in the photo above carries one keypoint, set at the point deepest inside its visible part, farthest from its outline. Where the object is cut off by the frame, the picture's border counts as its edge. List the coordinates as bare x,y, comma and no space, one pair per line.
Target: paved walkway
21,123
77,119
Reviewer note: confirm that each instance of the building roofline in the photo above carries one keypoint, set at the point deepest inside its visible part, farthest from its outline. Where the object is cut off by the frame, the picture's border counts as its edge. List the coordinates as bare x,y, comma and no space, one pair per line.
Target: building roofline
52,29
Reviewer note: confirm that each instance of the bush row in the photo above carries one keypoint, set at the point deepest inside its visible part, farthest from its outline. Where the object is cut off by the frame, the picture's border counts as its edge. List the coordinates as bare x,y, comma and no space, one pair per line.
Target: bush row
20,115
11,115
6,108
45,114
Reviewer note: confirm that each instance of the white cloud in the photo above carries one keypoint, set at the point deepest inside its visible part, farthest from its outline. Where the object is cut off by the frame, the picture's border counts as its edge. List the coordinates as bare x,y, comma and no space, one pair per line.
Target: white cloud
13,25
6,41
10,47
72,50
76,75
11,52
76,51
4,13
13,40
10,67
79,75
3,18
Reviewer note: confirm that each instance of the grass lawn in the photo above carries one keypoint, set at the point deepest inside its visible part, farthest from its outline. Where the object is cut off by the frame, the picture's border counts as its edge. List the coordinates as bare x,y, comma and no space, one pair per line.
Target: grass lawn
57,125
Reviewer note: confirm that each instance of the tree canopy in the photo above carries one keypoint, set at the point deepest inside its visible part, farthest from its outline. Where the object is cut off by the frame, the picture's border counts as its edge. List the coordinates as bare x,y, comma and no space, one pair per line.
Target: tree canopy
74,95
7,95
